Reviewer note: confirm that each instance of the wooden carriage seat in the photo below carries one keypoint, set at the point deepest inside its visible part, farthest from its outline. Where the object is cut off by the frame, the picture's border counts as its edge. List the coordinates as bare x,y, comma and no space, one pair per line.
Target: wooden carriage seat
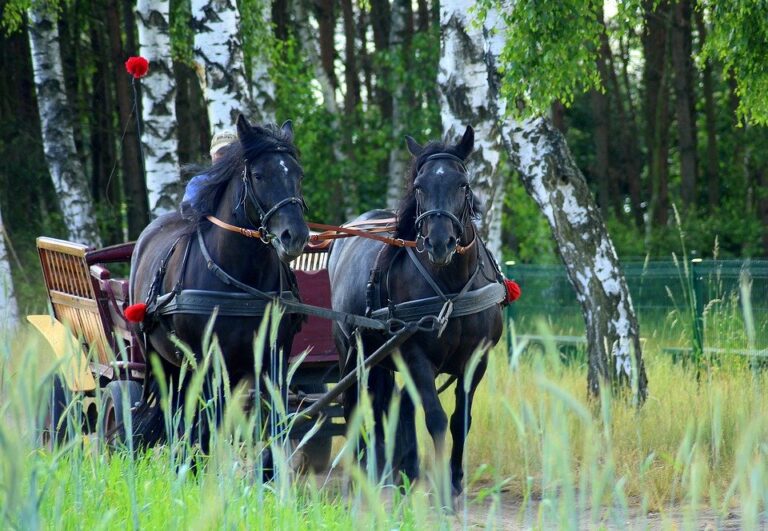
72,293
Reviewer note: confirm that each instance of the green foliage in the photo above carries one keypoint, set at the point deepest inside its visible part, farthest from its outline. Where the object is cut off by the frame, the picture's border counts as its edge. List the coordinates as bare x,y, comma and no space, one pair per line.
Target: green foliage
14,13
182,35
356,182
526,235
257,38
739,40
549,51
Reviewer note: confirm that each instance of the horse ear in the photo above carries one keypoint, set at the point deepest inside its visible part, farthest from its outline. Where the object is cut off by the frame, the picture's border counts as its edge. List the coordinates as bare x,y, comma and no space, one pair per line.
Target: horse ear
467,142
287,129
413,146
243,127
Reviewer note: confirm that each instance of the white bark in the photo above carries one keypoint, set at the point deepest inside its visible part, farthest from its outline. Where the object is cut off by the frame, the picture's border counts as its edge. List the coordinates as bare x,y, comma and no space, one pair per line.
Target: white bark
552,178
9,317
69,179
465,100
262,89
159,136
219,57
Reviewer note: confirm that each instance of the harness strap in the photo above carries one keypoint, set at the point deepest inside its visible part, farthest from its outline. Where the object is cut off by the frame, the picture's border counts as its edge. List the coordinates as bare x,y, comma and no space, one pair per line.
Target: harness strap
335,232
248,233
291,306
427,276
332,230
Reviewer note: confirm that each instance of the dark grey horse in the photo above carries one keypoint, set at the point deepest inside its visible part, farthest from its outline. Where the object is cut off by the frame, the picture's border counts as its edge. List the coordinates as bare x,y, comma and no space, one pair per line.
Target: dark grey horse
256,185
436,211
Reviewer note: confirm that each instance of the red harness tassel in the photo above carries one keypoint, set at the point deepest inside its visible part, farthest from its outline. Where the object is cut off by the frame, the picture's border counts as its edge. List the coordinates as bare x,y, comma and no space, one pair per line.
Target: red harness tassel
513,290
135,312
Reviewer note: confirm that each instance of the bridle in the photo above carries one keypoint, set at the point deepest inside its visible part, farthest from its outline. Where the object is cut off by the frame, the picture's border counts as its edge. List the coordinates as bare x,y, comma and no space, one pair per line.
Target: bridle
249,195
467,212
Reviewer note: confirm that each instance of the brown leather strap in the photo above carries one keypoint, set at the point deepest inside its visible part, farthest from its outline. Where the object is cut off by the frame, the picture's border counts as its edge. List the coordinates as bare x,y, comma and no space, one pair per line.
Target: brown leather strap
323,239
248,233
332,232
368,229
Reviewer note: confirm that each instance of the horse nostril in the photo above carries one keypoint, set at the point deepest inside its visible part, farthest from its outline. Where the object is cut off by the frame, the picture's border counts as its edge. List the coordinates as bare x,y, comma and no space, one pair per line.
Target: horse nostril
427,243
451,243
285,237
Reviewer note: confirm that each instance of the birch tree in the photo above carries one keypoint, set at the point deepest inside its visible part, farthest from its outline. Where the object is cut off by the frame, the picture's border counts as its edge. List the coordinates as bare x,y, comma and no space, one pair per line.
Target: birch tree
465,98
219,57
69,178
398,158
551,177
10,316
159,135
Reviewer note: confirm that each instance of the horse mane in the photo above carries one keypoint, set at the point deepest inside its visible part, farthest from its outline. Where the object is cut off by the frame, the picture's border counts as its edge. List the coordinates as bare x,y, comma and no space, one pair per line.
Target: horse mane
269,138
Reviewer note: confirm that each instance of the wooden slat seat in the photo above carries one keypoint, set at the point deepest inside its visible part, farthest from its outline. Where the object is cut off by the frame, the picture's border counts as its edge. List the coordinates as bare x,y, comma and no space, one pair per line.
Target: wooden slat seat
72,293
311,260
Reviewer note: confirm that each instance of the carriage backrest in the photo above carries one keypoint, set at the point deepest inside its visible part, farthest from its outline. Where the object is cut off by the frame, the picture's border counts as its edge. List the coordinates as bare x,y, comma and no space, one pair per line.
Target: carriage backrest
311,260
74,295
311,270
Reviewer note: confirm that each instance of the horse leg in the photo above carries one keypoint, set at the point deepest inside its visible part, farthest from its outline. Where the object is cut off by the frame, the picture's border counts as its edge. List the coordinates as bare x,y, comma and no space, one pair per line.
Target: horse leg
423,375
406,449
381,384
459,429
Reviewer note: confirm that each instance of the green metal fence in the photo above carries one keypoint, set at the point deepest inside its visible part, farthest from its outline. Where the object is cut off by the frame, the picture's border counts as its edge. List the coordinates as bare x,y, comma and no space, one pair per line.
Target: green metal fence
700,304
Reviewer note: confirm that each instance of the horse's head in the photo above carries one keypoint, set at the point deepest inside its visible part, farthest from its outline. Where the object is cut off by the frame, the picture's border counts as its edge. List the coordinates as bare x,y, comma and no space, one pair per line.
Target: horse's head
443,198
272,186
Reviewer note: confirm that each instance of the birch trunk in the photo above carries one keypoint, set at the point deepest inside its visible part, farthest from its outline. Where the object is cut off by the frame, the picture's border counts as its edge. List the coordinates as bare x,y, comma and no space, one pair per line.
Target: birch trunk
69,179
159,135
553,180
262,88
10,315
219,57
398,157
465,96
550,175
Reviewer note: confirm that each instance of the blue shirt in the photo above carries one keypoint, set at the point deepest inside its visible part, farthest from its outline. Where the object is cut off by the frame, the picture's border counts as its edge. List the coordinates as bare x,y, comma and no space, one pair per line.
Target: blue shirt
193,187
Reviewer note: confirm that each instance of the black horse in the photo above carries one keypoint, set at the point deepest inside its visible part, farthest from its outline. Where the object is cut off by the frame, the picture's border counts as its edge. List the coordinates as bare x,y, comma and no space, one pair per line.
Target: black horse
453,264
185,266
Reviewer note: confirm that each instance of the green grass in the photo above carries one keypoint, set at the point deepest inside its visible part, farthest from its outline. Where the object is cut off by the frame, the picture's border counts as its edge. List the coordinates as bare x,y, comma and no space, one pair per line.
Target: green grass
536,440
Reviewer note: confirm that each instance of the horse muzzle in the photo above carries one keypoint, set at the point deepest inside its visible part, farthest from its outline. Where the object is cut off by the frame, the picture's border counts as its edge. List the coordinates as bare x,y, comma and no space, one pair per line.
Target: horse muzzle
440,251
290,242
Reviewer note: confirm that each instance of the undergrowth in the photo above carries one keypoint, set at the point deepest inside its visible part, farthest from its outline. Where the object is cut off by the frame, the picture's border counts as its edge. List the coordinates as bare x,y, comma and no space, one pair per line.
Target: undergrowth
539,454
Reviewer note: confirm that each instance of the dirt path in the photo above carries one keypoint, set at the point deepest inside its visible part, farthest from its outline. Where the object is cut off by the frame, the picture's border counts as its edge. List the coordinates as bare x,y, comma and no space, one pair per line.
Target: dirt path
509,511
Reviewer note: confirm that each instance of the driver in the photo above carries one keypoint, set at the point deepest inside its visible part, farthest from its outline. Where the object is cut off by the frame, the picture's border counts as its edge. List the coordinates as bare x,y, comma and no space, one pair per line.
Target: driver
219,141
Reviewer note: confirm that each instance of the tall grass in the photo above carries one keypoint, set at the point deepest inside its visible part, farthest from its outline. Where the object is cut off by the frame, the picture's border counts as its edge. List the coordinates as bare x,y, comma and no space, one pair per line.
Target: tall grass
540,454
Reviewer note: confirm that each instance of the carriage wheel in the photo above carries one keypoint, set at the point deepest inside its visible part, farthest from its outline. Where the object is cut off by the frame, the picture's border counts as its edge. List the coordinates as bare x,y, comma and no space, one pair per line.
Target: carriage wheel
56,425
113,399
315,455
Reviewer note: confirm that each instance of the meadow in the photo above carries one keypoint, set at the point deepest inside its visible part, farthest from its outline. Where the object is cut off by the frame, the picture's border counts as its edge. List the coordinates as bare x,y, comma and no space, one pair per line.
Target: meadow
540,454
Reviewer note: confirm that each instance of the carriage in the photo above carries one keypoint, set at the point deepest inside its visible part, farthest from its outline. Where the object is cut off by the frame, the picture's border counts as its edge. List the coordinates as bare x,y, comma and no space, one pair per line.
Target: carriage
98,347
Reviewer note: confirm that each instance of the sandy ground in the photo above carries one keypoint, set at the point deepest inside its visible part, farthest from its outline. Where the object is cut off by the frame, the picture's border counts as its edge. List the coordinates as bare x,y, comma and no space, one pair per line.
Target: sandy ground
507,510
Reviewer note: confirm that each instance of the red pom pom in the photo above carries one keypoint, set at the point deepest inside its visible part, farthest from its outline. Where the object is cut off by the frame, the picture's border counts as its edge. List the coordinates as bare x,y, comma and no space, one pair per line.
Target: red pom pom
135,312
513,290
137,66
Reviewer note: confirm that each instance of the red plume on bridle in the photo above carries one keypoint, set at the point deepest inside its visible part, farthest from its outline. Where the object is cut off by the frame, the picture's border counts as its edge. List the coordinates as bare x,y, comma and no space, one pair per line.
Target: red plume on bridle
137,66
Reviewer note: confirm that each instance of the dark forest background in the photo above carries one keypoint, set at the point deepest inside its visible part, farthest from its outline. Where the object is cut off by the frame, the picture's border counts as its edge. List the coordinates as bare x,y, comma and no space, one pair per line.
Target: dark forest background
661,145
